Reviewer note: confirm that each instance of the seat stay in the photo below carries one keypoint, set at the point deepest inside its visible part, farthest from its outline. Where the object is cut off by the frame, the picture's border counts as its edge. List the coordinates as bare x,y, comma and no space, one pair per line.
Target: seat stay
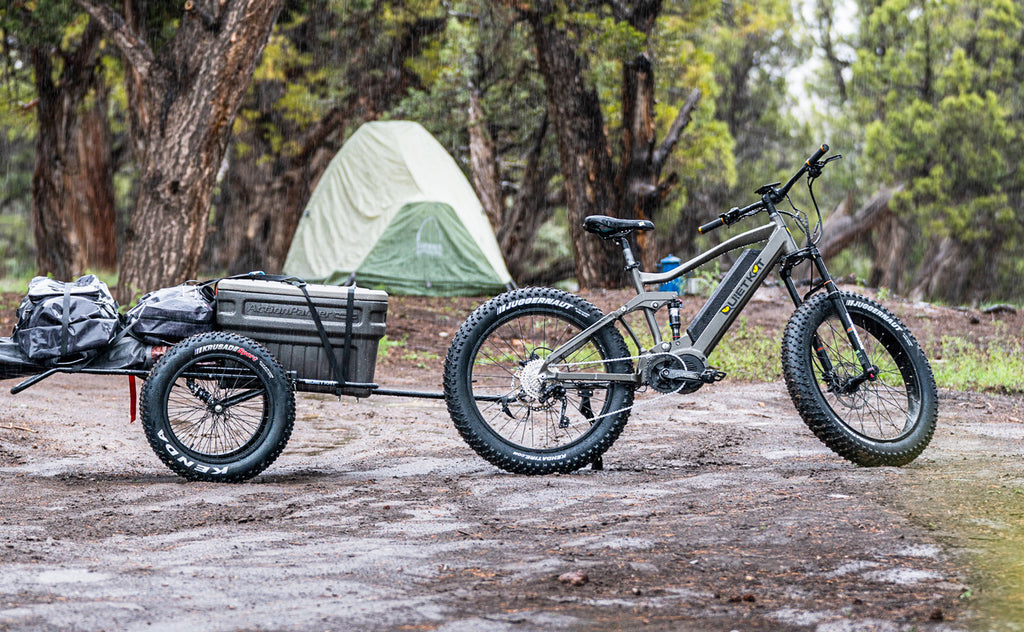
645,301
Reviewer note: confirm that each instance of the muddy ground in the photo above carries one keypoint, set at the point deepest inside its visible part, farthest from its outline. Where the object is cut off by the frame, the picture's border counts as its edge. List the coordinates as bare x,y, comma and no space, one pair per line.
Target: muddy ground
715,511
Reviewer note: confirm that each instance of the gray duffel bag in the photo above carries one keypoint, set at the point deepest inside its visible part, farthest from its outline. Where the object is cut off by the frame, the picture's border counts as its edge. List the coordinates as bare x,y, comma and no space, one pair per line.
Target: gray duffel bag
61,323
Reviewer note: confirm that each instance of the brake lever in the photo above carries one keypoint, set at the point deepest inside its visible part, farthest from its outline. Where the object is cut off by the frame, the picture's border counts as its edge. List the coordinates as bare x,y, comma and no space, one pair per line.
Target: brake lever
814,169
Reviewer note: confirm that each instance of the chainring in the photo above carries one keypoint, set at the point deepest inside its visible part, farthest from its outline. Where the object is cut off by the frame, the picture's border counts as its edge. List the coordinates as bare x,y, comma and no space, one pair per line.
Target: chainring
658,365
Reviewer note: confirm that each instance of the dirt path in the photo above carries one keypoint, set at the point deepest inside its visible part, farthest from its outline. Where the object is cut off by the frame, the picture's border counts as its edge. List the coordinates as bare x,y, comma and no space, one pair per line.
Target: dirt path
718,511
715,511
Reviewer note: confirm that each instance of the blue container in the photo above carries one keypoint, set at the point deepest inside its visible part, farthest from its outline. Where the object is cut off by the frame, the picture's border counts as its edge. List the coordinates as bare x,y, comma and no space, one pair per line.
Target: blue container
669,263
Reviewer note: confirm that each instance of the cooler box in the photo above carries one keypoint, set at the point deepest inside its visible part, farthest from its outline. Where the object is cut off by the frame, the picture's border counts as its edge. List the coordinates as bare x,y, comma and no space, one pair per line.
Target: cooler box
276,315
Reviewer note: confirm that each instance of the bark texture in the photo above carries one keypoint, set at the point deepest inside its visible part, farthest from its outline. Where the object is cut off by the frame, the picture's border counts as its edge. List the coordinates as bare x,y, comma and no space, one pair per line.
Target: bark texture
264,192
72,193
586,161
184,99
593,183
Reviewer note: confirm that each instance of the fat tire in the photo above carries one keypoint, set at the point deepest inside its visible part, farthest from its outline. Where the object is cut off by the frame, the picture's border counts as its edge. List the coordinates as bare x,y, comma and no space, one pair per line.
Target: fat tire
264,421
463,406
833,423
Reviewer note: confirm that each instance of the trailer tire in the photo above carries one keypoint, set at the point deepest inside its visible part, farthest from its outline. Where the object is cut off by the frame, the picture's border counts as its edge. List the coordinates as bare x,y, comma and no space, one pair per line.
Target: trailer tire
218,407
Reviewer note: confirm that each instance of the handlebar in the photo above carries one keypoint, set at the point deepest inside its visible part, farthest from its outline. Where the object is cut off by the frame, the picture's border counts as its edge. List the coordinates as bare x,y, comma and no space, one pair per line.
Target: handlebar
712,225
817,155
769,192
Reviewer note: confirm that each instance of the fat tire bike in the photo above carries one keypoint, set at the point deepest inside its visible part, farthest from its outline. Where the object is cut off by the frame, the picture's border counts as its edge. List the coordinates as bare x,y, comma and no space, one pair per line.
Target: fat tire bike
539,380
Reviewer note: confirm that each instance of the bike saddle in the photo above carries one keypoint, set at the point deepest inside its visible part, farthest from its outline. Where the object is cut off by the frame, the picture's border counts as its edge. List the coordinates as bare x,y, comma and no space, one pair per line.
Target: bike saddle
607,227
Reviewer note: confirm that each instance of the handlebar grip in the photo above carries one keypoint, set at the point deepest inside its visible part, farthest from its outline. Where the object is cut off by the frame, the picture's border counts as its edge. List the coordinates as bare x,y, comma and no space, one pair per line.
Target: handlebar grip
712,225
818,154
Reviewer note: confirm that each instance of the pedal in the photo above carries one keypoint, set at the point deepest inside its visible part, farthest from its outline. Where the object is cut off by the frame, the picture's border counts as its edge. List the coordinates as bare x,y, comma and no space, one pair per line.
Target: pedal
710,376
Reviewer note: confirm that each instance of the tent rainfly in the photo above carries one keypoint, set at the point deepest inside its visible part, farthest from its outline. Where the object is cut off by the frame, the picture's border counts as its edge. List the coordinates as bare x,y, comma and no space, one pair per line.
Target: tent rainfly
394,209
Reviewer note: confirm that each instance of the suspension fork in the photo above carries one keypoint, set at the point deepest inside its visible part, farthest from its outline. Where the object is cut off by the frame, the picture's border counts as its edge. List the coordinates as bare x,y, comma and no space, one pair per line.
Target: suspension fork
870,372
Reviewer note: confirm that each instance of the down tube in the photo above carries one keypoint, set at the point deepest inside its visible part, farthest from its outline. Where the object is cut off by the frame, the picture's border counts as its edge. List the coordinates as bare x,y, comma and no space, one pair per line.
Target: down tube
754,274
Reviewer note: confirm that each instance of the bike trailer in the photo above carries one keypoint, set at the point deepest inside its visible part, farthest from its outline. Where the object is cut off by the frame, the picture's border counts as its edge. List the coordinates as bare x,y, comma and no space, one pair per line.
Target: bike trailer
297,323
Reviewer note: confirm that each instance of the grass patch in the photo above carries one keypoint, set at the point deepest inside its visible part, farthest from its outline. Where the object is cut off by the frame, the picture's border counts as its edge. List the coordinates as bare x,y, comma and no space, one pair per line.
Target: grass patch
386,345
748,353
961,365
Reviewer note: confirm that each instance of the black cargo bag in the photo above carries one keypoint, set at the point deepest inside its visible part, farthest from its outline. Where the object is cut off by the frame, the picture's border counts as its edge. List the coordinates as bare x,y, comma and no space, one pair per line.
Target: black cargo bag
171,314
66,322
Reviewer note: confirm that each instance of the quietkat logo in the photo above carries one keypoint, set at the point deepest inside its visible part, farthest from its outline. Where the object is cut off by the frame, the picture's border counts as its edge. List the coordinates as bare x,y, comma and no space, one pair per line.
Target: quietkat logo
741,289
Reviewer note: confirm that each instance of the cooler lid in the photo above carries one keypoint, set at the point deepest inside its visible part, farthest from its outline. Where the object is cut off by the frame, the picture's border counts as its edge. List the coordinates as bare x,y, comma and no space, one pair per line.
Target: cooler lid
280,288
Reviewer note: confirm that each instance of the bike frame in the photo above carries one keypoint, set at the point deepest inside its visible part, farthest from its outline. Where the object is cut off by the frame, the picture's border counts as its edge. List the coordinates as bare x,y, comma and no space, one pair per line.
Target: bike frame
720,311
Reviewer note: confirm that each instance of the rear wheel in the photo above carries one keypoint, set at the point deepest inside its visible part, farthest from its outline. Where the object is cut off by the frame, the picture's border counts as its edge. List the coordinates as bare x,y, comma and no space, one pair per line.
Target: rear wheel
218,407
886,420
508,411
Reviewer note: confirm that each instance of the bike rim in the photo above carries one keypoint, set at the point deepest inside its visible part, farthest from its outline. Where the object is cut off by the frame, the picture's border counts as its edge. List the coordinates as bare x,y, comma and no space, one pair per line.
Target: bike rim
884,409
530,414
217,408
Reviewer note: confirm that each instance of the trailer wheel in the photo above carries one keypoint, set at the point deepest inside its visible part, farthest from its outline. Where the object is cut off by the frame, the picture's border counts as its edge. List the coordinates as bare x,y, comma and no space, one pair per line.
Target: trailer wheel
218,407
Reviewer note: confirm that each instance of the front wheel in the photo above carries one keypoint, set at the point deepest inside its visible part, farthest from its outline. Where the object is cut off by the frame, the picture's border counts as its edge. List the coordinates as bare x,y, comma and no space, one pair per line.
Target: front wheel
506,408
218,407
885,420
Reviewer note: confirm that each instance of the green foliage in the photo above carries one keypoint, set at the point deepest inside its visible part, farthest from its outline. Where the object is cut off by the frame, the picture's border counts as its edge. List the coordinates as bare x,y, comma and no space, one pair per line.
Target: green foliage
748,353
998,367
745,133
938,93
386,346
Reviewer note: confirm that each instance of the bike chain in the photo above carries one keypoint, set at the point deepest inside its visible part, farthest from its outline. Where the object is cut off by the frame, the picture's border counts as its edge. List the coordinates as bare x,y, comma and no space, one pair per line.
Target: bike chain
635,404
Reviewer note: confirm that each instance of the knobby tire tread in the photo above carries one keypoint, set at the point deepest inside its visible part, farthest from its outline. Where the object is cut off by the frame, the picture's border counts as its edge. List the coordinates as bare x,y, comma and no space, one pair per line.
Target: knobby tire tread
802,384
462,408
154,413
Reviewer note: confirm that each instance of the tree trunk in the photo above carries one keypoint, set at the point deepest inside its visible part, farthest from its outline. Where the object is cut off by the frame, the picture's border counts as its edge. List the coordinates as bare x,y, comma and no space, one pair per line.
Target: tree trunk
844,228
95,213
637,183
638,178
892,255
947,273
483,163
640,185
186,98
586,161
72,190
517,230
261,202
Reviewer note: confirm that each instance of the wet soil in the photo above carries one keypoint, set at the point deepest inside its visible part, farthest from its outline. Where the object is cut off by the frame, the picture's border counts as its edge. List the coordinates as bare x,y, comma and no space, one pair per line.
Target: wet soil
715,511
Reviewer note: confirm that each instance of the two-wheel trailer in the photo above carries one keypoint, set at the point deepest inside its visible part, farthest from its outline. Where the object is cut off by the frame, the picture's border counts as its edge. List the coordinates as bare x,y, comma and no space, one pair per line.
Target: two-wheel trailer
220,405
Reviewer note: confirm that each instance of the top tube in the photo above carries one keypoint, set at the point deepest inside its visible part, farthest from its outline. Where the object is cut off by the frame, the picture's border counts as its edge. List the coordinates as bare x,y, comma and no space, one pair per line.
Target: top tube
753,236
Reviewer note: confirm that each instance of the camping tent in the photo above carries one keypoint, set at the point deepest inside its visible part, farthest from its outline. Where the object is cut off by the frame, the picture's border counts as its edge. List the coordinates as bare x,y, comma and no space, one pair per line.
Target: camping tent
395,209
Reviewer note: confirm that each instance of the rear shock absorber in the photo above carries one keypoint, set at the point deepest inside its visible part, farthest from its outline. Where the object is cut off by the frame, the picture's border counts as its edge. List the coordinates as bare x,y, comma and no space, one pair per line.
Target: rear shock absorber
673,317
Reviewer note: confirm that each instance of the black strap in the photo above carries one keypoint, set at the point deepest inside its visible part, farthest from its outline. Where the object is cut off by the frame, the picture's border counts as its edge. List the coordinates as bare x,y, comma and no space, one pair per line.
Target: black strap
65,320
339,376
340,373
349,309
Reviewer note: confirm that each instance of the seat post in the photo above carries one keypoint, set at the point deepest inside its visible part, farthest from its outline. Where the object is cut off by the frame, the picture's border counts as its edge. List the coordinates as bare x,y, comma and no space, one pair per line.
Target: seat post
632,265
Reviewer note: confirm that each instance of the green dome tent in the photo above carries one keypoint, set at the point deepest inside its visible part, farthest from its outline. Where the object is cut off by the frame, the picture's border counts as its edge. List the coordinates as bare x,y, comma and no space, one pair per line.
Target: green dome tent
395,209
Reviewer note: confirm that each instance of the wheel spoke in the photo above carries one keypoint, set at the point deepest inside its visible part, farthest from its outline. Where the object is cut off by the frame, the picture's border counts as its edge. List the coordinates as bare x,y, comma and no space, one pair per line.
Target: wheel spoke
500,365
880,409
219,413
